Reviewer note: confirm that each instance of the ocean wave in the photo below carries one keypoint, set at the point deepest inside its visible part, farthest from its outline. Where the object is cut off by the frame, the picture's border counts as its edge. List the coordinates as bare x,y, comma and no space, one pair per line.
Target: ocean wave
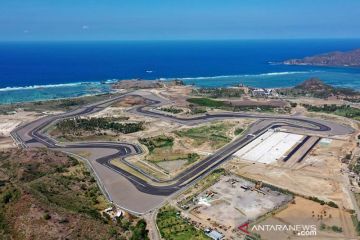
55,85
282,73
39,86
242,75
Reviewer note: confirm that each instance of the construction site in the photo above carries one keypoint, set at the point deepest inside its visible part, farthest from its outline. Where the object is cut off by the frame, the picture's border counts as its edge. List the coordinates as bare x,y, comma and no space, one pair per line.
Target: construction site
306,166
231,202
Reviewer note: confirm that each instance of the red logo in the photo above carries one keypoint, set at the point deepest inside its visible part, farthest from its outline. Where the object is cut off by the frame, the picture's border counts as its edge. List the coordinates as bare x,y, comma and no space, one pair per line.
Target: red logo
244,228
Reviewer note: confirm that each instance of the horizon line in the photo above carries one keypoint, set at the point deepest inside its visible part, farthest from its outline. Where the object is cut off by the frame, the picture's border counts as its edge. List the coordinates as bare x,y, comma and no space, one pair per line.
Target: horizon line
174,40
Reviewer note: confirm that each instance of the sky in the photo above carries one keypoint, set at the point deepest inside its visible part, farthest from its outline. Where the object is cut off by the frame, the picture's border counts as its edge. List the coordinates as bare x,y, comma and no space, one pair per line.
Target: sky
58,20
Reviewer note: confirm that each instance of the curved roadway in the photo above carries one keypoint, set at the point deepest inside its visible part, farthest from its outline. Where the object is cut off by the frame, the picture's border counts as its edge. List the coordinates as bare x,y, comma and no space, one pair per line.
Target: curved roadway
32,134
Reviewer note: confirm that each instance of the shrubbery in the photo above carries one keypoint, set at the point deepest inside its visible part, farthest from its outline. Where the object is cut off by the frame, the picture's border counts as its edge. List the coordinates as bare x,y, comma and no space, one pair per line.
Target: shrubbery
97,124
171,110
219,92
322,202
343,110
157,142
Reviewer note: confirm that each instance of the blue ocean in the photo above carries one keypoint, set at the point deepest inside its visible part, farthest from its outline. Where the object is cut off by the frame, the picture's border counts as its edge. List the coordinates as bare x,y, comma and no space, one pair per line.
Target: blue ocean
31,71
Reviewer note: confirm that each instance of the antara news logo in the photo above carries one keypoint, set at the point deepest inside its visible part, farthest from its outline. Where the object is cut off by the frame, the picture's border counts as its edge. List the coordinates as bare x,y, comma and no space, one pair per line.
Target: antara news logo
298,229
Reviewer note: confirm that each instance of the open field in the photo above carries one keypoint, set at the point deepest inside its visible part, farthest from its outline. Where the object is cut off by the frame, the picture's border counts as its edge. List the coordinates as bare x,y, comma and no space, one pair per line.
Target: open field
207,102
307,212
241,105
320,174
259,102
163,152
10,120
129,101
215,135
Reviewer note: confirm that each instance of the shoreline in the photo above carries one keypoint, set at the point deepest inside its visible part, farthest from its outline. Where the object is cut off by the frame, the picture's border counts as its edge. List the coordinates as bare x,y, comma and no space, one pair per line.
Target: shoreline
271,80
19,95
60,99
56,85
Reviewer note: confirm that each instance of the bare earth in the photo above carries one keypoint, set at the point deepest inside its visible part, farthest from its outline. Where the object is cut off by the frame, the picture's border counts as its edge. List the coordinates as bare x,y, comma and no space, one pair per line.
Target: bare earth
10,122
306,212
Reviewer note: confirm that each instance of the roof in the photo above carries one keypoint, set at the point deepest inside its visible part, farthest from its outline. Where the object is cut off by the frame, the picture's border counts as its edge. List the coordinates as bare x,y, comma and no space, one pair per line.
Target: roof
215,235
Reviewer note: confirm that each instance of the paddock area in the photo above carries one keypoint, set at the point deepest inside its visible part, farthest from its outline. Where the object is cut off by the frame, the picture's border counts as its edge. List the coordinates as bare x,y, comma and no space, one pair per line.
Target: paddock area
270,147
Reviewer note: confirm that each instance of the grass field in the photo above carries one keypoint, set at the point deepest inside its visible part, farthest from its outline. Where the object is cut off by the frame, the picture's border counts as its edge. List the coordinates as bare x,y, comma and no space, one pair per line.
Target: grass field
166,154
161,149
238,131
173,226
214,134
153,143
207,102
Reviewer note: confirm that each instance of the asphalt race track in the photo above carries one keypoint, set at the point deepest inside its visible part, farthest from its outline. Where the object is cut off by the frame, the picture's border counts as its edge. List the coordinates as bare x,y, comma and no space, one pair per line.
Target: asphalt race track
33,135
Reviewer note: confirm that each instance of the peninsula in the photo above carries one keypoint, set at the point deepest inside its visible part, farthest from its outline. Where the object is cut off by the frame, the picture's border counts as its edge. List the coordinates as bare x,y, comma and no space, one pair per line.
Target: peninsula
333,59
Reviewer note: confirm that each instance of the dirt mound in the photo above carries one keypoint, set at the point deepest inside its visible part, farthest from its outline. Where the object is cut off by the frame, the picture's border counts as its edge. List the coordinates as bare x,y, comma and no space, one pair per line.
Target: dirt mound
130,101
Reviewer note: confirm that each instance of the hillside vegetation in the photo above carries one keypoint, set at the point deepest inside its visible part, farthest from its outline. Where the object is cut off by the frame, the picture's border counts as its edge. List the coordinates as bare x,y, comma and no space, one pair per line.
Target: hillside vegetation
48,195
314,87
343,59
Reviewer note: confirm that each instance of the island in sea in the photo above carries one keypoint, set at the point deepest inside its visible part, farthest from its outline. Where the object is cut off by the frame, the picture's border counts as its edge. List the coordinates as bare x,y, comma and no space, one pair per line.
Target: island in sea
332,59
